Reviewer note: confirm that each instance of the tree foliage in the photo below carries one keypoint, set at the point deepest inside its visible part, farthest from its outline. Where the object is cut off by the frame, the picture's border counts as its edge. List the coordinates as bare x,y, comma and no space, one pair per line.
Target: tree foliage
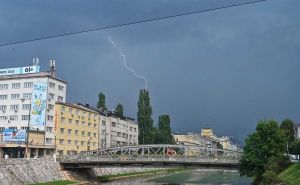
164,130
265,145
144,118
101,101
287,126
119,110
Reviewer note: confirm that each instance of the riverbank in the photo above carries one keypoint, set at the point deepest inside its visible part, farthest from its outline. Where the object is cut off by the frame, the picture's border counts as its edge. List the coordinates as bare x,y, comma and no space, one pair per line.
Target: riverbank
61,182
291,175
108,178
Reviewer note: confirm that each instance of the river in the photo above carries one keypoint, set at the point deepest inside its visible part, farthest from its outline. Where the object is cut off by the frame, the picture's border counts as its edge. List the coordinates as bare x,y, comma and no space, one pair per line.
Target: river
196,176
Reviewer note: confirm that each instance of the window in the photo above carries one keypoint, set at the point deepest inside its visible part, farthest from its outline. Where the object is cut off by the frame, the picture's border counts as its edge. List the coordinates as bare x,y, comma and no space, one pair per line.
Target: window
70,131
60,98
3,107
28,84
77,122
130,129
89,134
48,141
50,118
95,135
15,96
14,107
60,87
25,128
51,96
134,129
82,143
113,124
13,118
76,142
3,97
69,142
49,129
3,86
70,121
94,143
77,112
63,109
82,133
3,118
89,124
62,119
27,95
52,85
12,127
15,85
50,107
76,132
103,123
62,130
25,117
26,106
61,141
70,110
83,123
123,135
2,128
95,125
118,134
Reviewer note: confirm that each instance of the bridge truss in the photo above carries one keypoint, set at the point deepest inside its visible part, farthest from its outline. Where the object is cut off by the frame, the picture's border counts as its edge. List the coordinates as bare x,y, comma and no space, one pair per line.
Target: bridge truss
154,155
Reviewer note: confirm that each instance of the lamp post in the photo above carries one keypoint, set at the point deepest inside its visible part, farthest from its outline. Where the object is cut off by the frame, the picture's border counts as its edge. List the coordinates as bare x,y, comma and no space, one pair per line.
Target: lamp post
28,125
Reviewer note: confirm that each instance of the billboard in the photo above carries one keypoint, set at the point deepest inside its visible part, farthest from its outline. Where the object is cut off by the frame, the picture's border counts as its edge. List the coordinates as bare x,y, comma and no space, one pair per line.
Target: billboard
20,70
38,106
18,135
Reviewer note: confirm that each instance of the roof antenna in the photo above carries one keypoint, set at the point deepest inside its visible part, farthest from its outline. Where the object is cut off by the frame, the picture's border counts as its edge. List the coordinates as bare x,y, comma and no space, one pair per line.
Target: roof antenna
52,67
35,61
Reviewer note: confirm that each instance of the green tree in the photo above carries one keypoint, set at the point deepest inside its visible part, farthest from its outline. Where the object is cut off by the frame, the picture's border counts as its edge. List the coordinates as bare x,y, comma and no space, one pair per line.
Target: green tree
165,129
265,144
119,109
144,118
287,126
294,147
101,101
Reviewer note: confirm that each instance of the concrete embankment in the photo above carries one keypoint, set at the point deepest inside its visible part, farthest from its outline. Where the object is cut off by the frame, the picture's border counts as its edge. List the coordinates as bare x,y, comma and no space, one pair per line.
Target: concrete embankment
27,171
30,171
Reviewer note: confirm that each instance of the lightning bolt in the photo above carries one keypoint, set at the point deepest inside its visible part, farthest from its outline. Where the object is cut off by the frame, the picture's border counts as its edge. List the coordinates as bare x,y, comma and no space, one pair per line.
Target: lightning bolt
125,62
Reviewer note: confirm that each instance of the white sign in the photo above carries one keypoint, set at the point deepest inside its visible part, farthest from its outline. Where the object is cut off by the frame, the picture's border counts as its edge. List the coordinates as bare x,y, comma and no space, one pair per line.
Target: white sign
20,70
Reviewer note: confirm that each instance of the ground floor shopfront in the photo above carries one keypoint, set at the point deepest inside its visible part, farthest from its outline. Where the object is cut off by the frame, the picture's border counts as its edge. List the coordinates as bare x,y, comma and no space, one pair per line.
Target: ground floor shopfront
19,151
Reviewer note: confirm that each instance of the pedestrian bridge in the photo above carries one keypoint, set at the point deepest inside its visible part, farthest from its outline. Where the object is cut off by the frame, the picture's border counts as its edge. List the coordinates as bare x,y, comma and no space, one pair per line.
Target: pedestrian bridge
154,155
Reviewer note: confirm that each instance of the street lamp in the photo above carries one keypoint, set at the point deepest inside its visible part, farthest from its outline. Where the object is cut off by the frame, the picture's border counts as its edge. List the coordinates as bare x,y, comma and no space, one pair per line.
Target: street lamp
28,125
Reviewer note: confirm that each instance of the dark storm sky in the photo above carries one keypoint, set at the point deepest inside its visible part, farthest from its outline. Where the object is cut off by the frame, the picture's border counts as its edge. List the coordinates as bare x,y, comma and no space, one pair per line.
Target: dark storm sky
226,69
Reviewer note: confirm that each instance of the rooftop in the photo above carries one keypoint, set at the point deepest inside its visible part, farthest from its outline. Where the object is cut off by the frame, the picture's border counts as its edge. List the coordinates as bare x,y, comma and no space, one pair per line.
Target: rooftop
31,75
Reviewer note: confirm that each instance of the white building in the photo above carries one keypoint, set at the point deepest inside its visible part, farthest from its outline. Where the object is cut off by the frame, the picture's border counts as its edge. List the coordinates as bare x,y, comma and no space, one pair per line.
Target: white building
16,91
117,130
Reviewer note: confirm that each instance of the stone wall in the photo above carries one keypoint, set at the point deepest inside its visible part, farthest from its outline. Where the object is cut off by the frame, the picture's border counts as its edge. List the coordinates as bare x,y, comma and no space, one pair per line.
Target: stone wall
119,170
26,171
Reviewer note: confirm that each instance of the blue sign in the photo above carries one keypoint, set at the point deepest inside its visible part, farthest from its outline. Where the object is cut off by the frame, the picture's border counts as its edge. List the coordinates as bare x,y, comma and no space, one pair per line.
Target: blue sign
18,135
38,106
20,70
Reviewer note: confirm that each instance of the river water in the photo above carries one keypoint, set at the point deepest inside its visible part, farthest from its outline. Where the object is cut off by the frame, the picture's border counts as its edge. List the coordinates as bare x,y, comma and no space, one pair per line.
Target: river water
186,178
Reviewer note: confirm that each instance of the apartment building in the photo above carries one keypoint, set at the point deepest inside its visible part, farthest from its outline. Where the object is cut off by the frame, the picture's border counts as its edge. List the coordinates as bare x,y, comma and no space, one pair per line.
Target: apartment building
117,130
27,98
76,128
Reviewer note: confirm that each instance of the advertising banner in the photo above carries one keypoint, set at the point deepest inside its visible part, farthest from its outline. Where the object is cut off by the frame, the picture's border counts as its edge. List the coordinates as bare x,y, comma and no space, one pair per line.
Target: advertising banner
18,135
38,106
20,70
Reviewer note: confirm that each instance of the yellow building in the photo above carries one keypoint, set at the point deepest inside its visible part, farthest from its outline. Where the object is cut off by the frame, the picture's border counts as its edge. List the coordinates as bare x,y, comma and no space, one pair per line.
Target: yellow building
76,128
207,132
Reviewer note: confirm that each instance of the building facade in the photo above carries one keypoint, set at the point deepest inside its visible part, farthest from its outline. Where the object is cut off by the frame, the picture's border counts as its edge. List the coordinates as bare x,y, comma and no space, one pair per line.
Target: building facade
117,130
20,107
76,128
